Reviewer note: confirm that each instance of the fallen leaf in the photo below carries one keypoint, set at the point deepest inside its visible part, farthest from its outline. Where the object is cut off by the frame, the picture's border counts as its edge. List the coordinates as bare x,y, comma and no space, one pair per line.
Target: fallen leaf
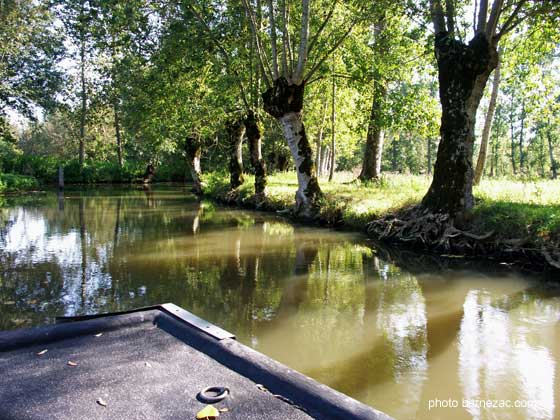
148,364
224,410
71,363
101,402
98,335
261,387
208,412
42,352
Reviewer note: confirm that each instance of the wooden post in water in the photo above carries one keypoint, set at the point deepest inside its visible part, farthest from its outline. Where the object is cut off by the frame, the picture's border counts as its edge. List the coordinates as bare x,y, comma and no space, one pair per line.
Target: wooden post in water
60,177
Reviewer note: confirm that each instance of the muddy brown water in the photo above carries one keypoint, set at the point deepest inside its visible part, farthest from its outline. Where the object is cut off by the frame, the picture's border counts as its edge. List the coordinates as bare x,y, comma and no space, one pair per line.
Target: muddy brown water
415,340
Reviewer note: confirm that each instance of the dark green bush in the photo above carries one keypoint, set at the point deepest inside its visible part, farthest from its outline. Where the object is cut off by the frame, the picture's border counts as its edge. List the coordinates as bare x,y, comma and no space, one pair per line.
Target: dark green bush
15,183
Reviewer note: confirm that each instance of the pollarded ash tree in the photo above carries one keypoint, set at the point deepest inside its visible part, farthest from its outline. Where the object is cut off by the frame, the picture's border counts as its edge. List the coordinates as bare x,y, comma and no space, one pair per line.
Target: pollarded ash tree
289,56
463,71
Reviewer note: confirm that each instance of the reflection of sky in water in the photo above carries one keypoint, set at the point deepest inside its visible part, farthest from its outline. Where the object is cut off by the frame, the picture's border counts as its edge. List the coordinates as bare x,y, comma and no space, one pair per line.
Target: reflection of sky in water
29,240
496,346
318,300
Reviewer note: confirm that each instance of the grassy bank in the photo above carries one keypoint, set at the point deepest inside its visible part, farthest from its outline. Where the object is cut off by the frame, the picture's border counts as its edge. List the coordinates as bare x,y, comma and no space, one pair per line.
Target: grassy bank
527,213
11,183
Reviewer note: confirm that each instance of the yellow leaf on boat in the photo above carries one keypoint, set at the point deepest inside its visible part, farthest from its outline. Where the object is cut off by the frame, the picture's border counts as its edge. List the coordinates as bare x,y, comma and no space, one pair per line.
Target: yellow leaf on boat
208,412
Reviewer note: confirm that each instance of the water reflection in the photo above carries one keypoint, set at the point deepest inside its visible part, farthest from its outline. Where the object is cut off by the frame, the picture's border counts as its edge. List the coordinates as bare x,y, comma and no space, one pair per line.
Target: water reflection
382,328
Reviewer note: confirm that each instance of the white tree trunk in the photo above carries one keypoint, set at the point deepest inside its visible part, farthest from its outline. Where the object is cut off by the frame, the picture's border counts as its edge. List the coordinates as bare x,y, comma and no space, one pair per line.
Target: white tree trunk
292,125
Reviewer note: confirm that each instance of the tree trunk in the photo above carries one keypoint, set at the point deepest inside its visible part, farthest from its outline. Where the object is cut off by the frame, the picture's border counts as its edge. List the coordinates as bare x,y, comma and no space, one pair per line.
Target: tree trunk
395,146
257,161
84,99
512,135
430,166
235,132
371,167
193,150
521,137
463,72
493,157
118,137
333,129
327,161
319,143
487,126
284,102
553,164
324,160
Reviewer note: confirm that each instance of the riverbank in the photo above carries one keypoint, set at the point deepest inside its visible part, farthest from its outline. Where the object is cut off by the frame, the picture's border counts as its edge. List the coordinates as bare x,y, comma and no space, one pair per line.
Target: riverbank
513,222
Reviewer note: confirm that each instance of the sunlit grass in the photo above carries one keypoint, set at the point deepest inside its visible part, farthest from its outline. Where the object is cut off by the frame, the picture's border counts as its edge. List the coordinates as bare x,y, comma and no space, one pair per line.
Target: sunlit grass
512,208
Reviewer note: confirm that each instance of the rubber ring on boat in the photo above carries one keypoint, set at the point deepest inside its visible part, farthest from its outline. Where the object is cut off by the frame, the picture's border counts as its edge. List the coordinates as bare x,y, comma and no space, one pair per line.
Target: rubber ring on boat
213,394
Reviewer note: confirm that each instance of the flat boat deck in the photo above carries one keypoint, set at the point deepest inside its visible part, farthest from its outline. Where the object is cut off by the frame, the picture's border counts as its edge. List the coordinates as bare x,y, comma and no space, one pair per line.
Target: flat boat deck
151,364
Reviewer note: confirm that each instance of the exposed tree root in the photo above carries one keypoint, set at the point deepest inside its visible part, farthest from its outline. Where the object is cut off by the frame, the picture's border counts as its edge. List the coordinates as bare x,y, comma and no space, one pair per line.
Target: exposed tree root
552,257
420,228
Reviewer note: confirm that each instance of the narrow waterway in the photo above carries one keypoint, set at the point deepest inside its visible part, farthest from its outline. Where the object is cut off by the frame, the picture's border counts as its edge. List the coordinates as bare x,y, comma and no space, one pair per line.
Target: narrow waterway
405,335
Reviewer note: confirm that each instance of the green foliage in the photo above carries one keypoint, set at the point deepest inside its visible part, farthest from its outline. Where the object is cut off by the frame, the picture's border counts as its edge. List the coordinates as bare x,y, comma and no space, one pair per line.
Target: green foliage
30,48
17,183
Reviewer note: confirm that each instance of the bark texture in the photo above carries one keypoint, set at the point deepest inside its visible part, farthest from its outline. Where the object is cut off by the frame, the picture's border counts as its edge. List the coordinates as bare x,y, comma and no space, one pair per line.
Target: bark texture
255,145
193,150
463,72
371,167
118,137
284,102
235,132
553,163
481,162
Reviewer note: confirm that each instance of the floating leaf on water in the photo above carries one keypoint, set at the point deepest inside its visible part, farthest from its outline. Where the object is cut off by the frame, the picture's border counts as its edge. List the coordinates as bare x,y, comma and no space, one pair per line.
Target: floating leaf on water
101,402
71,363
208,412
42,352
98,335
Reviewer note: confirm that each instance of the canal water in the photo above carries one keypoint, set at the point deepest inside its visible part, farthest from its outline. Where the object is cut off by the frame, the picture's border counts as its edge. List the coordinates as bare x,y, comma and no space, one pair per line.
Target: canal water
414,336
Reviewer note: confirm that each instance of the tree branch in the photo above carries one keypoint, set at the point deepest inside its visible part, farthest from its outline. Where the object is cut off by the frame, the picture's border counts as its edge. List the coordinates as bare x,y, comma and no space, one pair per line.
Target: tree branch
273,40
224,52
508,25
494,17
315,37
329,52
285,41
438,19
450,13
482,14
303,43
254,31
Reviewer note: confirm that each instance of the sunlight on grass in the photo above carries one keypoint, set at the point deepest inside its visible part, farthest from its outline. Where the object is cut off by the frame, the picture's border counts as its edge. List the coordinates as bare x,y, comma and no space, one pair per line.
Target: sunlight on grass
514,208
